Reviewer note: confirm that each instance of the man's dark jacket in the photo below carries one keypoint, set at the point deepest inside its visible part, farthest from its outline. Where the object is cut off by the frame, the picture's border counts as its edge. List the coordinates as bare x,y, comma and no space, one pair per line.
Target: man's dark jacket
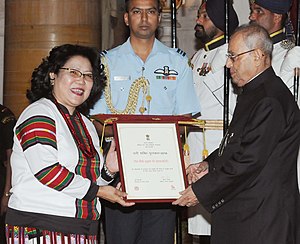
251,188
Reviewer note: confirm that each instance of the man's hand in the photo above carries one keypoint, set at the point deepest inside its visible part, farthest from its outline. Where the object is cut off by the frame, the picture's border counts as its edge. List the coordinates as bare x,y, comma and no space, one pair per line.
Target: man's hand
113,195
188,198
196,171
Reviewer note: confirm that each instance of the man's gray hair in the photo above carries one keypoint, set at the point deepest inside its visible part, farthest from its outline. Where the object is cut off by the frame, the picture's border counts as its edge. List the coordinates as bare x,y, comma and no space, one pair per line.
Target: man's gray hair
256,36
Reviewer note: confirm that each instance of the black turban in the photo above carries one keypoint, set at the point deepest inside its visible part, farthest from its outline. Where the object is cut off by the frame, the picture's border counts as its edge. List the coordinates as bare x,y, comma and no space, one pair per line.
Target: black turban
275,6
216,12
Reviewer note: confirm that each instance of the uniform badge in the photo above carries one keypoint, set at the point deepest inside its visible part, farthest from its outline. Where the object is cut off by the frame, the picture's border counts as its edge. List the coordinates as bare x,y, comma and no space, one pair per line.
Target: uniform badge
7,119
287,44
204,69
166,73
6,116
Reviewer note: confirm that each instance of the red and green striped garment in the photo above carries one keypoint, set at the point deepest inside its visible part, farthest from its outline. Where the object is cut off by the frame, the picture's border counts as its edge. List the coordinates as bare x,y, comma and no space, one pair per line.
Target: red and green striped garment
42,130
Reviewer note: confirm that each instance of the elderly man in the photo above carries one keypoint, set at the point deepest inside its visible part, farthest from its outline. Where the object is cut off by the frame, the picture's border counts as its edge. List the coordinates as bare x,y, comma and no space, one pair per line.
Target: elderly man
208,73
251,184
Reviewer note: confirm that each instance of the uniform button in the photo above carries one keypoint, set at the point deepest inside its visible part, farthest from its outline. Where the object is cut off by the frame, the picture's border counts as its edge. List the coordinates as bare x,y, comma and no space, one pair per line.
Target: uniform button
122,88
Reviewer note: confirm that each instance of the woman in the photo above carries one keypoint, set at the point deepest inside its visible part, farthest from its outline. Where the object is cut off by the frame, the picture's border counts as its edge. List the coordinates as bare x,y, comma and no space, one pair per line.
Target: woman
57,171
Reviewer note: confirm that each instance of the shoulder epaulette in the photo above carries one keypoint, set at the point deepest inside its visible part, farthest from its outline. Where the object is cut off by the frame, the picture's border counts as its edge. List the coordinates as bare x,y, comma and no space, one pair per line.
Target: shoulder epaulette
103,53
7,119
6,116
182,53
287,44
190,63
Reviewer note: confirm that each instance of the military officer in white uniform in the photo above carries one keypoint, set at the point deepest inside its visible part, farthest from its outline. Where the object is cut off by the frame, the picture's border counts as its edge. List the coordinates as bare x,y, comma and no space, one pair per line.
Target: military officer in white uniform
272,15
208,73
292,61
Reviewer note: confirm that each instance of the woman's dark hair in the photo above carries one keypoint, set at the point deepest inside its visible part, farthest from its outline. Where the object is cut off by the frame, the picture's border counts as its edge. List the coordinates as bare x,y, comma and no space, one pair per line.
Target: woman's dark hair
40,80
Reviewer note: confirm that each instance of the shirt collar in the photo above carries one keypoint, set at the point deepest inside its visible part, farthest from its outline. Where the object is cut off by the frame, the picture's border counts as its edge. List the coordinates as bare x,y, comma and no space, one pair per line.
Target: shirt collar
217,42
278,36
158,47
258,80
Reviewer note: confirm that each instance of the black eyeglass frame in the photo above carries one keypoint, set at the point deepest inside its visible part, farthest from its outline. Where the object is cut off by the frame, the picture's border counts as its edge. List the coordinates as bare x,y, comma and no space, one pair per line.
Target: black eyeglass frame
233,57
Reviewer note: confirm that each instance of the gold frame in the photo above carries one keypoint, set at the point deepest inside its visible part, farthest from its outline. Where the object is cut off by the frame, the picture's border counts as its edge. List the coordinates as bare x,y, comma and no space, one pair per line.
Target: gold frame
165,4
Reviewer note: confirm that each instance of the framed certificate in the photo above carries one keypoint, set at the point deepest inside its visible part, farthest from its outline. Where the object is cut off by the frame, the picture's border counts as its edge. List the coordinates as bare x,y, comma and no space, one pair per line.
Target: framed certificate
150,160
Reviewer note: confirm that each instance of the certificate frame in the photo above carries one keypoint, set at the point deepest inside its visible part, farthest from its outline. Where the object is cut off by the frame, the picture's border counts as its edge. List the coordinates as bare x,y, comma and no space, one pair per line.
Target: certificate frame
166,5
150,158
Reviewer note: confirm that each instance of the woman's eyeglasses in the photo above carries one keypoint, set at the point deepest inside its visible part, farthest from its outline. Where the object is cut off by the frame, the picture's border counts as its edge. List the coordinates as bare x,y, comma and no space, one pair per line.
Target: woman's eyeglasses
75,73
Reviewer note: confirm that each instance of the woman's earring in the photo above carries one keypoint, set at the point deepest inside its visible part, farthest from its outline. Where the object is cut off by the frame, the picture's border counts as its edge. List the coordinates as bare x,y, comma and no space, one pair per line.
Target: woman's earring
52,81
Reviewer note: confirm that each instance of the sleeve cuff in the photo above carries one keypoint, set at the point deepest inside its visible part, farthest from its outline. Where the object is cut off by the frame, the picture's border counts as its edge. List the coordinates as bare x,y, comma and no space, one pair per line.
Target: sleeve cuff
92,192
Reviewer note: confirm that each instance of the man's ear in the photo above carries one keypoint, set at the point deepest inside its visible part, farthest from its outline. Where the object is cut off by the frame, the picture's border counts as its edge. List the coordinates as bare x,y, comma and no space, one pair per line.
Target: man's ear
258,56
126,19
277,18
258,53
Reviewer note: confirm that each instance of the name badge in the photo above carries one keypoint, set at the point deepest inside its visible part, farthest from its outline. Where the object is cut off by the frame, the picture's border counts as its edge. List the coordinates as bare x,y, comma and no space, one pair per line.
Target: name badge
122,78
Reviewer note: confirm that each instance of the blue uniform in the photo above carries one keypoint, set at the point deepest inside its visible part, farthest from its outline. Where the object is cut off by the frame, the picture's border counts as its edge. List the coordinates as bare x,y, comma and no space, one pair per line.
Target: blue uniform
167,71
172,91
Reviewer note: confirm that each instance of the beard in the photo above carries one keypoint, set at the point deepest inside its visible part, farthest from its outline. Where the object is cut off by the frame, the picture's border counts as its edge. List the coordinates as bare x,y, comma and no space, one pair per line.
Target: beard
205,36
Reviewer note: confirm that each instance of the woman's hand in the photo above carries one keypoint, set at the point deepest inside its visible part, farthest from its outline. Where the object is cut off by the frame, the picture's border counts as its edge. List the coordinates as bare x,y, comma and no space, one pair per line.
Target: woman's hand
111,160
4,204
113,195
